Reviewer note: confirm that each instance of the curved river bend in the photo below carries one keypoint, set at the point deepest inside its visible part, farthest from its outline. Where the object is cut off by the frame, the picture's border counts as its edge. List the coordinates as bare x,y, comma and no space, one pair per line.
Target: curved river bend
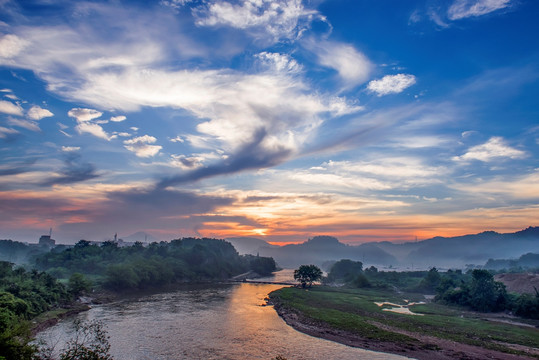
206,322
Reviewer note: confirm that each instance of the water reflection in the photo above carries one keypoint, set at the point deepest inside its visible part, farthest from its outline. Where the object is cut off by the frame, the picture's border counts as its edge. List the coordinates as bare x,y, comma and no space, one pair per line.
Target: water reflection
208,322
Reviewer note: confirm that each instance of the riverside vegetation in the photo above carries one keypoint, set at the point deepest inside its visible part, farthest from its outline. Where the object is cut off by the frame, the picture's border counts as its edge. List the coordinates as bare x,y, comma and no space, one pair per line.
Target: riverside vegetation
468,317
34,295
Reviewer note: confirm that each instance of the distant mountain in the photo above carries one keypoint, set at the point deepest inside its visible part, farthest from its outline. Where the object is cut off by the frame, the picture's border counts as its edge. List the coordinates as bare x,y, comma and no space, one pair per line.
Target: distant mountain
140,236
247,245
321,249
467,249
440,252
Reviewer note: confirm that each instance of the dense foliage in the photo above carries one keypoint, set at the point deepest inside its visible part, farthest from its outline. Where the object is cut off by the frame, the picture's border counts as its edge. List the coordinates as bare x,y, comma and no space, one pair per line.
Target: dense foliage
158,264
344,271
306,275
17,252
23,295
480,292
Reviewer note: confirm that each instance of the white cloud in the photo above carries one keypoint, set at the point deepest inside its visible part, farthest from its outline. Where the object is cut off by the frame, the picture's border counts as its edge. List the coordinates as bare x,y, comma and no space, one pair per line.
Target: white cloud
38,113
177,139
175,4
278,62
12,96
4,132
85,123
494,148
8,107
461,9
93,129
336,180
119,118
141,146
391,84
70,148
124,134
125,72
66,134
277,19
83,115
11,45
27,124
353,67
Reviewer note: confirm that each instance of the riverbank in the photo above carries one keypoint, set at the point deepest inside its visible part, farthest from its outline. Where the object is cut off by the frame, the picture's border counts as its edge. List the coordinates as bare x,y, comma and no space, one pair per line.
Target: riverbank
351,317
52,317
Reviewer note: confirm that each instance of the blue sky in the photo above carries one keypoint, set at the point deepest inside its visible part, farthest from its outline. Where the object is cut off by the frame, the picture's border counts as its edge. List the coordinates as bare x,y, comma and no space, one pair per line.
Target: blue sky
365,120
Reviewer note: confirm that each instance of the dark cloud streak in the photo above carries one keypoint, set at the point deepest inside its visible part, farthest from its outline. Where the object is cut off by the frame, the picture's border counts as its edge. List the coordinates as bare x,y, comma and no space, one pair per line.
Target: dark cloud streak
249,157
74,171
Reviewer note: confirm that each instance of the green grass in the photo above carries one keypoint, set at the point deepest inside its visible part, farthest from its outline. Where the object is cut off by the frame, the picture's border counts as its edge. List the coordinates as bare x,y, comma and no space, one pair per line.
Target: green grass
354,310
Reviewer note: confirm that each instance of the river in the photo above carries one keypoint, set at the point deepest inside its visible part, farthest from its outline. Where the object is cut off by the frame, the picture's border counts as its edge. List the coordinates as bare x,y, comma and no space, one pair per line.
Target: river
225,321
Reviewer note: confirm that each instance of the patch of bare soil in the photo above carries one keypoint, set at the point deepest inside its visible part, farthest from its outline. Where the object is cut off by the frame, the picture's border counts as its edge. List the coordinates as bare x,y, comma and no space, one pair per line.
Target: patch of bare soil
520,283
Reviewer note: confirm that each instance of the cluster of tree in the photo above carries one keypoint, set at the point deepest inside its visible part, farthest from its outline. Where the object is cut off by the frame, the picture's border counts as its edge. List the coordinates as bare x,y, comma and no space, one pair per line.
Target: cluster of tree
475,289
157,265
24,295
17,252
479,291
351,273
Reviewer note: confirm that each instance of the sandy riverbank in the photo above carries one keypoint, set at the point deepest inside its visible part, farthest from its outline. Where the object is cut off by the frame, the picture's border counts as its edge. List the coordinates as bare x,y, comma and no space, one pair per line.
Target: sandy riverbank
431,348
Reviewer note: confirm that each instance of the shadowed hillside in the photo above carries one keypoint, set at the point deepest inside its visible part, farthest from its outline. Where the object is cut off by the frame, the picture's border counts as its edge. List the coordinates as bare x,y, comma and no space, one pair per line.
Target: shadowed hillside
444,252
326,248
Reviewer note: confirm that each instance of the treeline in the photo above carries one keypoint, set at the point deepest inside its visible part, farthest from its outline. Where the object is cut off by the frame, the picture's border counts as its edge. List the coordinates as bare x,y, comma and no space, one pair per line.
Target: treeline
526,263
156,265
17,252
24,295
475,289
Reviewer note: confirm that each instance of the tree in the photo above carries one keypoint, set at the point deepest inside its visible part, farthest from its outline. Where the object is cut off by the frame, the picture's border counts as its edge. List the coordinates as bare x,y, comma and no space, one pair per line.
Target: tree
431,280
485,293
90,342
307,274
345,270
78,284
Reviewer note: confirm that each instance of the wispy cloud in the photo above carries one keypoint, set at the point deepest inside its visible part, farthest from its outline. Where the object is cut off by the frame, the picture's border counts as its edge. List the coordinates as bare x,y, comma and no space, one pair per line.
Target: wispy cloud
495,148
27,124
70,148
461,9
75,170
8,107
352,66
86,124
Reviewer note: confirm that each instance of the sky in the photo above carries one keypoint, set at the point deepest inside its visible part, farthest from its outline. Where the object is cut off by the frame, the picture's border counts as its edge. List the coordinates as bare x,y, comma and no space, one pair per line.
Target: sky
281,120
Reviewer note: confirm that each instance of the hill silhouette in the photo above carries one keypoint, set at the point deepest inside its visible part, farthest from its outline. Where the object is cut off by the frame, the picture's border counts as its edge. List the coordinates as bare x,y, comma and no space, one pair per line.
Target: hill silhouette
441,252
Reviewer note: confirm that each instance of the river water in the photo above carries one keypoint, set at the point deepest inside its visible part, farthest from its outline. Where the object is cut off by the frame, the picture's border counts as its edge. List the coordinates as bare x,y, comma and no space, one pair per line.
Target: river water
205,322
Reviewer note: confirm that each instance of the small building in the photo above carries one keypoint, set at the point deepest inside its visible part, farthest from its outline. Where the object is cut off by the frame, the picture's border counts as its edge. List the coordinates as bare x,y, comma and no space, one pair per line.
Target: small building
45,240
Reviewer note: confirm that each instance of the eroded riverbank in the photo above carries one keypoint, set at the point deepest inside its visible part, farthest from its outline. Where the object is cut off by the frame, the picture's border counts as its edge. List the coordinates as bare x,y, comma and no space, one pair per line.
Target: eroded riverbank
349,319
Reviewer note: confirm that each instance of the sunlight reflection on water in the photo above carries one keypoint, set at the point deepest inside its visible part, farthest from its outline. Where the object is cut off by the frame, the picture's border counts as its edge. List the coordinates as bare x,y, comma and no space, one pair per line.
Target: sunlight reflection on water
208,322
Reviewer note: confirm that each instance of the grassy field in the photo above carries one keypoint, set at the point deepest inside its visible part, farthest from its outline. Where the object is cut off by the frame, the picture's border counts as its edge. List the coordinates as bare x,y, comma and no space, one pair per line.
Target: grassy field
355,311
